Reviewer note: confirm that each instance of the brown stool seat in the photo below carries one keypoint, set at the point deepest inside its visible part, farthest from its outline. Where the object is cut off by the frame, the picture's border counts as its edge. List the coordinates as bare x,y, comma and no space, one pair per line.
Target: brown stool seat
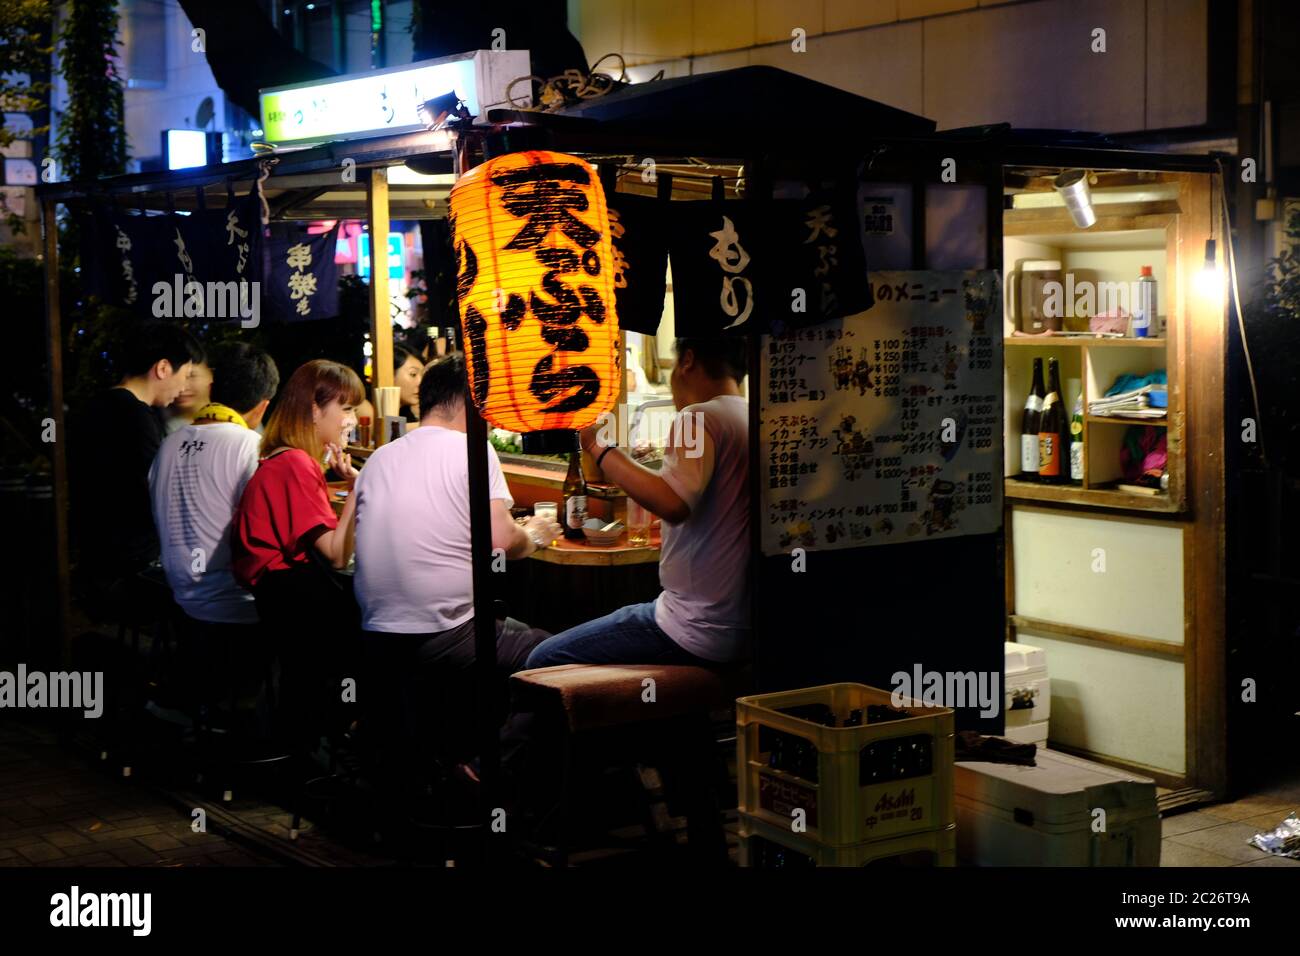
607,695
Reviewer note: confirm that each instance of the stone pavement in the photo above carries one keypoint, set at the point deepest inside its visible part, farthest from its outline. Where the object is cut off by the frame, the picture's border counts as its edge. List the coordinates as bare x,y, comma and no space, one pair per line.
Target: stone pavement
57,809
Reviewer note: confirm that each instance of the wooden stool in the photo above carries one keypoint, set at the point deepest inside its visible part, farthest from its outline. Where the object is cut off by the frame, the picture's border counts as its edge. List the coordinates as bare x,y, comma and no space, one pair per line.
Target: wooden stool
670,703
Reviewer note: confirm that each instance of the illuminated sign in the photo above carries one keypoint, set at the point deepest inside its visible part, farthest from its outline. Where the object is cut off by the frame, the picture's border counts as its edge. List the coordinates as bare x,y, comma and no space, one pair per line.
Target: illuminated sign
386,101
396,255
185,148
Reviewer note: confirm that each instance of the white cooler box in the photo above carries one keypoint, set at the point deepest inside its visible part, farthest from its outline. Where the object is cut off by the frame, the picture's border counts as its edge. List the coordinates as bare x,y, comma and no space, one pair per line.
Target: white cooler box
1025,680
1009,815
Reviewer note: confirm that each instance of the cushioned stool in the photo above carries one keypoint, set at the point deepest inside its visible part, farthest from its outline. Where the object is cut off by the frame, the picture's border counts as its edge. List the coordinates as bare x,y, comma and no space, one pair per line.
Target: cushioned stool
666,704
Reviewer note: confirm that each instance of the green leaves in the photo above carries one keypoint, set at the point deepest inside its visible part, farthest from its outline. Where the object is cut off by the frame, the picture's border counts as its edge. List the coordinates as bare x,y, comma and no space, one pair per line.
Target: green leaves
92,131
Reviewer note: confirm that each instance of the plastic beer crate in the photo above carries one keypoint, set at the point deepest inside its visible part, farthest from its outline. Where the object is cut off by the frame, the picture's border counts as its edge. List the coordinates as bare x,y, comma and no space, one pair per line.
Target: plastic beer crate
763,846
889,776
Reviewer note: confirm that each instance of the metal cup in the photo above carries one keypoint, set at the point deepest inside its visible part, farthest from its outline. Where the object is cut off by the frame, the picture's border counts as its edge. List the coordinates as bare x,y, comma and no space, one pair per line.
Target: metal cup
1073,187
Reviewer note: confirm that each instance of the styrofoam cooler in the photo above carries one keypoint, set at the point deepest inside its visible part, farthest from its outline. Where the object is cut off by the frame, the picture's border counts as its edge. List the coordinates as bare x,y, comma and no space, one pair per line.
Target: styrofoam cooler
1009,815
1026,674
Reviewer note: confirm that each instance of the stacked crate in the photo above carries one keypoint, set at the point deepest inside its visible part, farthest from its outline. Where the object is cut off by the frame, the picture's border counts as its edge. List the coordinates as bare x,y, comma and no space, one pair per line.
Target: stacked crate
1028,704
839,776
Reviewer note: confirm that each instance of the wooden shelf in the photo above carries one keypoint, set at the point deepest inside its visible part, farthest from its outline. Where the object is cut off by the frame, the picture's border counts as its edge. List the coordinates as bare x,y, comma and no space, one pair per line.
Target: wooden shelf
1116,420
1074,341
1095,497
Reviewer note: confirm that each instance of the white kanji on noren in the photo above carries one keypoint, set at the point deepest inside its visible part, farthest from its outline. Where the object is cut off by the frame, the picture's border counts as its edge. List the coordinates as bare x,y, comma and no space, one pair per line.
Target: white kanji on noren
299,256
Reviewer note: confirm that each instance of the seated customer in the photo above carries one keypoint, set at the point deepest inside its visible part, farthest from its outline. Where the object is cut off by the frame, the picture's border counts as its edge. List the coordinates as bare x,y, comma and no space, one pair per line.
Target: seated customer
702,495
113,443
407,372
196,393
414,577
197,480
283,516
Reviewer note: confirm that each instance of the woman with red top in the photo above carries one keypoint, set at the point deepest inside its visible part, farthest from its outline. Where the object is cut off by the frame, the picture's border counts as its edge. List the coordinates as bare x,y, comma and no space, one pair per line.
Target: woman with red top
283,515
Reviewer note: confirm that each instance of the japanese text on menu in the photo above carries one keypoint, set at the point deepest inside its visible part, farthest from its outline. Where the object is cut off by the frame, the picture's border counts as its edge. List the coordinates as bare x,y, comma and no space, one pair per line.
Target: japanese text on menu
886,426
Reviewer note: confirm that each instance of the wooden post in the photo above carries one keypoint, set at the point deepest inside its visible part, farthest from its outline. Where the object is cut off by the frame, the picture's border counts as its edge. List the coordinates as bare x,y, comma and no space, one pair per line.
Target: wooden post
381,322
54,355
485,591
1205,541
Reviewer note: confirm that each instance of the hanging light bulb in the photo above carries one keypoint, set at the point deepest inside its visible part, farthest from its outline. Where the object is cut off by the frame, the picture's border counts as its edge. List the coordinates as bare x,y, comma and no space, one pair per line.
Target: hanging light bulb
1209,281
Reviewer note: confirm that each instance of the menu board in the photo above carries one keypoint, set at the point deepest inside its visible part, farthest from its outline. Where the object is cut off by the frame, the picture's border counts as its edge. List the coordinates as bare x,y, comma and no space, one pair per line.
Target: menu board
886,426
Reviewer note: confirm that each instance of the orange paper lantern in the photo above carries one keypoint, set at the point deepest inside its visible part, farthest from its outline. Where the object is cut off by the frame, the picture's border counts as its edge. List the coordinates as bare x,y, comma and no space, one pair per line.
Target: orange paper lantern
535,282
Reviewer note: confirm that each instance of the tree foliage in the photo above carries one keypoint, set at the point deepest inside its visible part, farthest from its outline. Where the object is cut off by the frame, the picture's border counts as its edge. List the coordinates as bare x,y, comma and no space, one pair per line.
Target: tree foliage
24,65
24,56
92,131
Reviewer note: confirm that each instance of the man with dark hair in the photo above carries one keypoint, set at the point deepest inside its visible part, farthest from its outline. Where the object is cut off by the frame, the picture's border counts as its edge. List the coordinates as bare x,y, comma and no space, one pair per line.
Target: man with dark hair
414,578
702,495
113,443
720,357
247,379
196,482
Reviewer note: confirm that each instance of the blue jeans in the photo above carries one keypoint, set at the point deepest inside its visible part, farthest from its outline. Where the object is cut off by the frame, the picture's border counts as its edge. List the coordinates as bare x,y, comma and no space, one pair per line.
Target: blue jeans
628,636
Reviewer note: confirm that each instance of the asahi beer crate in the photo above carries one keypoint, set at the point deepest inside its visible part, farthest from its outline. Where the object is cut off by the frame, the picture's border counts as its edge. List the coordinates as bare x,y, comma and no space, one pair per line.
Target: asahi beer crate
767,847
844,765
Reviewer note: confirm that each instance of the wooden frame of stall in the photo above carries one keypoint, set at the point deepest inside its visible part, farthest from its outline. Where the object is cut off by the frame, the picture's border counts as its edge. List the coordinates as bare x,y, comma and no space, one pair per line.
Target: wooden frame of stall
308,184
1196,359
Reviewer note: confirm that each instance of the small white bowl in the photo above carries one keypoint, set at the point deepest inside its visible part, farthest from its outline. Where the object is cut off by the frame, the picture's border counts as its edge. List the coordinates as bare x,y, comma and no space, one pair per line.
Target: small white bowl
591,528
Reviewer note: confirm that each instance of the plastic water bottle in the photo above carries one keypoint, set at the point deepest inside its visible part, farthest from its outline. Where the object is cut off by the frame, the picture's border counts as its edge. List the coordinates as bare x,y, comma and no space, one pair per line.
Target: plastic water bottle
1144,309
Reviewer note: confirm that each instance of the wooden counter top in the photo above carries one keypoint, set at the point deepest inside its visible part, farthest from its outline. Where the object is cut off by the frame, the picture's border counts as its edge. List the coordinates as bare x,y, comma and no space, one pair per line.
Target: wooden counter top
564,551
583,554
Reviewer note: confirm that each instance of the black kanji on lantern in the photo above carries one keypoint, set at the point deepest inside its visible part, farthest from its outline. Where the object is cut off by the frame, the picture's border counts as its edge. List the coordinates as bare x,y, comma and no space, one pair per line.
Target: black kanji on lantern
539,194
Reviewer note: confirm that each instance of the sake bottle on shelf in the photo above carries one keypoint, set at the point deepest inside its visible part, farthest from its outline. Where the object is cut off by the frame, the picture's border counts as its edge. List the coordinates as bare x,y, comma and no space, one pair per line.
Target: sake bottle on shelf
1076,442
1029,423
1053,431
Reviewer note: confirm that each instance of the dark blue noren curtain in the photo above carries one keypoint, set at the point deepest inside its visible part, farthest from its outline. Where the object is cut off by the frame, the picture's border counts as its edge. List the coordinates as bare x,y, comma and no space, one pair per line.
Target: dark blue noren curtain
717,262
638,225
133,253
746,267
817,251
302,279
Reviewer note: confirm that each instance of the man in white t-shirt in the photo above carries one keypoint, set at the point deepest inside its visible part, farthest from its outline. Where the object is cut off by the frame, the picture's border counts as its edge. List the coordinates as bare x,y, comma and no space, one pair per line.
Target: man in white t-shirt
702,495
195,484
196,481
414,577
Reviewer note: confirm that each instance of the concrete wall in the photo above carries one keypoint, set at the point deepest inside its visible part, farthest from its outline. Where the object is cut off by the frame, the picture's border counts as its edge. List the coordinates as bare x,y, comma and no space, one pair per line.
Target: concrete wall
960,62
188,81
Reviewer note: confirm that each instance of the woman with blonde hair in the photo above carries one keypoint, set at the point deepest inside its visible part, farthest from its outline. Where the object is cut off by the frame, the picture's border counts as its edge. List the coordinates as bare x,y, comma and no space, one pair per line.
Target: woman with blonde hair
285,515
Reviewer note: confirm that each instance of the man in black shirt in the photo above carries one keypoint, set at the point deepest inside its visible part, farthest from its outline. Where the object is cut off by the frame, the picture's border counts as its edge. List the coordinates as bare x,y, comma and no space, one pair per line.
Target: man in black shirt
112,445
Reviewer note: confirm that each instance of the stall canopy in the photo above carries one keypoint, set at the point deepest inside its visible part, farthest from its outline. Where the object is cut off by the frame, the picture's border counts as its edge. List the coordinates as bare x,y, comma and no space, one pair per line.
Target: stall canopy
754,108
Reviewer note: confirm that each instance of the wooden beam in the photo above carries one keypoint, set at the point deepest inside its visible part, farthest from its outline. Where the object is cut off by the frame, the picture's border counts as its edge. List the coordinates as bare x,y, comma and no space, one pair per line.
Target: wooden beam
54,355
381,321
1205,327
1087,635
1116,217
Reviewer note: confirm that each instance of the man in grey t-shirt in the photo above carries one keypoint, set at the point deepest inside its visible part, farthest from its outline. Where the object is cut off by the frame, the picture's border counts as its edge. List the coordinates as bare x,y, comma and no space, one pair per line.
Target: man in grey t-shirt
702,495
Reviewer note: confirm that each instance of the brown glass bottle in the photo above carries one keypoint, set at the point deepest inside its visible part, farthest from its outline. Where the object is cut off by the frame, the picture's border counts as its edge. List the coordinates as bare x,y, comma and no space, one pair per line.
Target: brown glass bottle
1054,432
575,495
